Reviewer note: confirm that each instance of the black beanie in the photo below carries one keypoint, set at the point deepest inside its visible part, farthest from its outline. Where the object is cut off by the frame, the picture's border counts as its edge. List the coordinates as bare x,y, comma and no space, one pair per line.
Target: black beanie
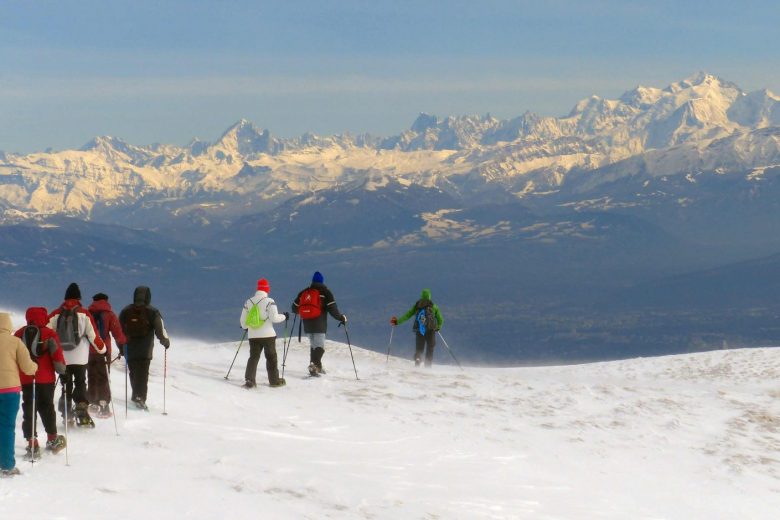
73,292
100,296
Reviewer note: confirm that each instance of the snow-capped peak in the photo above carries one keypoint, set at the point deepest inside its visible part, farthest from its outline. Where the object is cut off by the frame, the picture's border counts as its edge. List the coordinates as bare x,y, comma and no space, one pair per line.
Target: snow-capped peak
245,138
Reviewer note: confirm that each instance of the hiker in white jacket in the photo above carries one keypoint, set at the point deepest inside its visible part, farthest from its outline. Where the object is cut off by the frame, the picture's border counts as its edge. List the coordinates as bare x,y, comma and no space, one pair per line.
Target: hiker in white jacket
258,317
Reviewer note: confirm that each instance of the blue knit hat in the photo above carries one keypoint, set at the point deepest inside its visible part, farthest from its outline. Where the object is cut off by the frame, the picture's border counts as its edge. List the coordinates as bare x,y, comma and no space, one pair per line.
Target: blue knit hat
318,278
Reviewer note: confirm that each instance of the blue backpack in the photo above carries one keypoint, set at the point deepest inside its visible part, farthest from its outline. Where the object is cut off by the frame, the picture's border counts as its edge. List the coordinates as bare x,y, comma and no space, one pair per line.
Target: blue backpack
425,320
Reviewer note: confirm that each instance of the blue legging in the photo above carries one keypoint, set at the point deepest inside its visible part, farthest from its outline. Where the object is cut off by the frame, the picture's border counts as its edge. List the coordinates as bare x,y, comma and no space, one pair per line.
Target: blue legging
9,409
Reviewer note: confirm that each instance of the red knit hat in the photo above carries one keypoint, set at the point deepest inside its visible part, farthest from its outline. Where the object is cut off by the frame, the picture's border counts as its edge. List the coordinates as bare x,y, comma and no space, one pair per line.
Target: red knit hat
262,285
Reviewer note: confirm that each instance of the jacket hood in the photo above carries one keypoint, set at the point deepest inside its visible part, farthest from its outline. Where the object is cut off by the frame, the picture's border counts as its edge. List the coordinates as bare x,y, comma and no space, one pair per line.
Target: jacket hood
100,306
37,316
5,323
261,294
71,303
142,295
425,294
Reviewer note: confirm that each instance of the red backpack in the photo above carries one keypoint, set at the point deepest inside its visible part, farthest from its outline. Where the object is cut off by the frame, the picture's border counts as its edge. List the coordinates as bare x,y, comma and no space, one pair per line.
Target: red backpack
309,306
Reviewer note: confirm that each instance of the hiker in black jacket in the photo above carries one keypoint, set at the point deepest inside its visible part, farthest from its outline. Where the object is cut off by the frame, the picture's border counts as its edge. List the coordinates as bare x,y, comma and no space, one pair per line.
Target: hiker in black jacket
313,305
141,323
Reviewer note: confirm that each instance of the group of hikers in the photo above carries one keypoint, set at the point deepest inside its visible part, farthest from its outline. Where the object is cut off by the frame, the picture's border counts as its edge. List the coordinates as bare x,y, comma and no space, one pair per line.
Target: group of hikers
74,345
312,305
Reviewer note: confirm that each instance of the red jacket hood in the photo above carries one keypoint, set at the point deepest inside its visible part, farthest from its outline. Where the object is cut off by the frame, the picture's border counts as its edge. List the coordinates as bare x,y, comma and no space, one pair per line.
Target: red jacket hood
100,306
69,304
37,316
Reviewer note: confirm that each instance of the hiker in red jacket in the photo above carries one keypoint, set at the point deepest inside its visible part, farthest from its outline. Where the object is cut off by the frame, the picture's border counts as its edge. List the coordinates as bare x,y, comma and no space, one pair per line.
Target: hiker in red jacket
99,366
44,347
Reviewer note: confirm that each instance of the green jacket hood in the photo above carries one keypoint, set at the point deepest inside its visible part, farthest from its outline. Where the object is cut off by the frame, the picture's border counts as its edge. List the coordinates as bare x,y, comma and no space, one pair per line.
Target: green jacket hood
425,294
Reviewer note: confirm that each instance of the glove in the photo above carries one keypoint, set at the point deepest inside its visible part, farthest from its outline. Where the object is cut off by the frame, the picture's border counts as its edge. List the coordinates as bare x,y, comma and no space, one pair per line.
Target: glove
393,321
343,319
286,316
166,343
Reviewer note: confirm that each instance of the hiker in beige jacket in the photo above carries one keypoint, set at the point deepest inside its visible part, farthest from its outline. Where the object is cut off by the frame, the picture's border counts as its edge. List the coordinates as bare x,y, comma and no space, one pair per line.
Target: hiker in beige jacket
14,357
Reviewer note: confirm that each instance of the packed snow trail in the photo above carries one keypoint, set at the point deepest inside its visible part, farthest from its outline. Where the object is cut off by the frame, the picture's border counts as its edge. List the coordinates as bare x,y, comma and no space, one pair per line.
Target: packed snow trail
679,437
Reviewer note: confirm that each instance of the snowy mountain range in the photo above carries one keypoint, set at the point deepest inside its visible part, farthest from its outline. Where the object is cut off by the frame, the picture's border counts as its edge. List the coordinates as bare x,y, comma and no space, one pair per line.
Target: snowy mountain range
577,211
700,124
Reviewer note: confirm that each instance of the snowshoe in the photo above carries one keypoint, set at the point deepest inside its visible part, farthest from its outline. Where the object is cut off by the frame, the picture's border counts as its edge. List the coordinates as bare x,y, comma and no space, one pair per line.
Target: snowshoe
32,453
140,404
314,370
82,418
71,420
103,411
249,384
9,472
57,444
280,382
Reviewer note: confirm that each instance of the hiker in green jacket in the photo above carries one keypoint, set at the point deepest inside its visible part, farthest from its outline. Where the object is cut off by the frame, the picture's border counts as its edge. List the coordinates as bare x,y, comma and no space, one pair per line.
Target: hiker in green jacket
427,322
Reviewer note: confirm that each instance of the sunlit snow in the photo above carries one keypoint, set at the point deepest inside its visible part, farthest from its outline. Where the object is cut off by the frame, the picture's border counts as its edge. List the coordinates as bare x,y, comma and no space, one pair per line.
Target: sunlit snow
680,437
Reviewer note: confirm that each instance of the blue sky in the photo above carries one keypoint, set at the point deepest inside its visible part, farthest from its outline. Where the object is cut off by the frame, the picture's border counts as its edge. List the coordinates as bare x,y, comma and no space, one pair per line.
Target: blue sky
70,70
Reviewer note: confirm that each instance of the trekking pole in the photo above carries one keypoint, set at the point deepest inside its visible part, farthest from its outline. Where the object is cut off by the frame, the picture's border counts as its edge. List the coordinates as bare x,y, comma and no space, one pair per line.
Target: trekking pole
34,426
110,393
449,350
65,410
392,328
165,379
350,349
239,348
127,374
287,341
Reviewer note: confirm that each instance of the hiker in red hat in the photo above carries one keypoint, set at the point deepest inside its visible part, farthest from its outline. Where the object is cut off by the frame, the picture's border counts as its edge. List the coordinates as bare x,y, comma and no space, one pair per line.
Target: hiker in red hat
257,318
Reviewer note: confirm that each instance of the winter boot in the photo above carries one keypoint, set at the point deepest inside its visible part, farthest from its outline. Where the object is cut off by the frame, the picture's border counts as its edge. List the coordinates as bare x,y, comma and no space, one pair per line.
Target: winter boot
9,472
104,410
83,420
314,370
249,384
71,415
140,404
33,450
279,382
56,444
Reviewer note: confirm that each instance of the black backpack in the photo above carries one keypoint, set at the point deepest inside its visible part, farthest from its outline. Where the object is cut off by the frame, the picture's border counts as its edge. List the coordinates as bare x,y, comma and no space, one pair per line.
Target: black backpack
137,323
68,328
425,319
32,339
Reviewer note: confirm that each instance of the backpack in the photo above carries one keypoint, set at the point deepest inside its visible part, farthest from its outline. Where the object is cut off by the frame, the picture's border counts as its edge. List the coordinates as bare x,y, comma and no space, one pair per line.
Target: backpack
100,323
137,321
68,328
32,339
425,319
253,319
309,305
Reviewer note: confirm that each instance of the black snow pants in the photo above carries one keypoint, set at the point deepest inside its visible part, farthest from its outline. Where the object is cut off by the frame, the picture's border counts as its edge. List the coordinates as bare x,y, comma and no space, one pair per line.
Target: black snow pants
429,340
44,408
256,347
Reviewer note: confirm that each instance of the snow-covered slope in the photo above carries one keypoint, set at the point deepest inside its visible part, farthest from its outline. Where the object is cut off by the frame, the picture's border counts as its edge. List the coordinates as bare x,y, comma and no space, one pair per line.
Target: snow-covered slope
691,436
527,155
